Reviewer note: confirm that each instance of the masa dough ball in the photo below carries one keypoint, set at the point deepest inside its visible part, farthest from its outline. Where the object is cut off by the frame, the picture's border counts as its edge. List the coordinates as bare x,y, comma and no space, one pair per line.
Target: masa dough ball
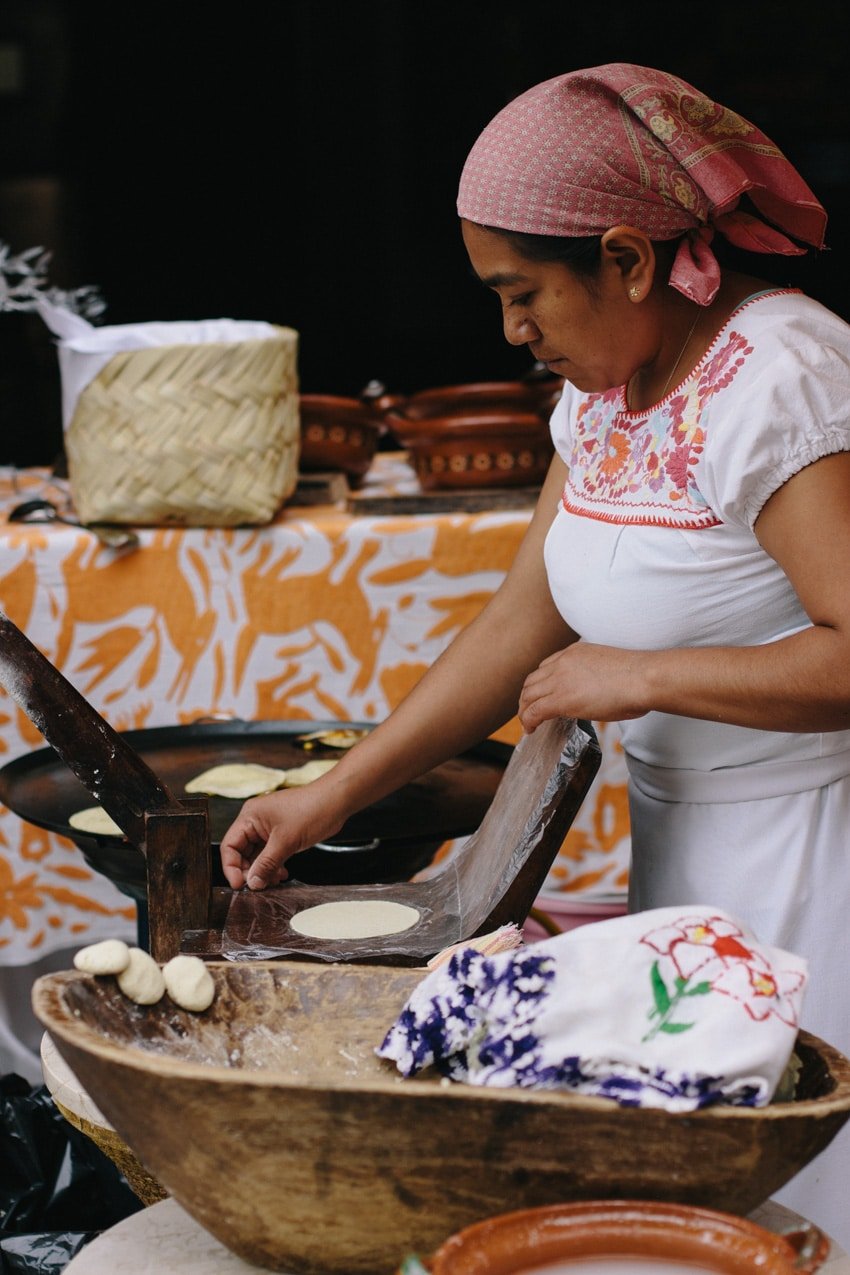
236,779
109,957
189,983
94,819
142,980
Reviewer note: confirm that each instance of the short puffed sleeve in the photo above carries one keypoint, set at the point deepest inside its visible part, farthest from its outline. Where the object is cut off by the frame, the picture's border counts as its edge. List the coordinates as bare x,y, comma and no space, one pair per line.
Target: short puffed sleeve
560,422
777,398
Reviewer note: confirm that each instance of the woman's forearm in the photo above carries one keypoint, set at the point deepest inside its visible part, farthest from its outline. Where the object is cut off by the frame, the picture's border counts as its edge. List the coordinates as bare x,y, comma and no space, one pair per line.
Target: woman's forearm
799,683
471,690
473,687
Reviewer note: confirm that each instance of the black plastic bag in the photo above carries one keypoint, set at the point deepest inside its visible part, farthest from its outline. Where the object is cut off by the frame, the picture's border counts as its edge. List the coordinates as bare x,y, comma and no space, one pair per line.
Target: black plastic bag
57,1189
44,1254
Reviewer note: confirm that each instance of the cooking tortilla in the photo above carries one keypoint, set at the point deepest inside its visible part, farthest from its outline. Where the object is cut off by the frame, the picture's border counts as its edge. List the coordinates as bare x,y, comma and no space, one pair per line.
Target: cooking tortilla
343,737
237,779
305,774
250,779
354,919
94,819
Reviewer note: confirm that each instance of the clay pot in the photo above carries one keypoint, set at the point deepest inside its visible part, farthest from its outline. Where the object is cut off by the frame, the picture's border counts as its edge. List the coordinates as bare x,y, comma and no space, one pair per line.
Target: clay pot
671,1237
338,434
485,434
477,449
483,397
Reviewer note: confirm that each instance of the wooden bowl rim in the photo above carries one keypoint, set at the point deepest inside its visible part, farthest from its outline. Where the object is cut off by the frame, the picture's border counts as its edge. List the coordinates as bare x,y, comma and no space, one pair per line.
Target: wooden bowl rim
59,1020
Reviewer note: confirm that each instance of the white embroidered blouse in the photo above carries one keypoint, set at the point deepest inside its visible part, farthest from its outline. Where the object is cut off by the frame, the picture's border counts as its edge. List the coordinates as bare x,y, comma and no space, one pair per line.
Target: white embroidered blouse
653,543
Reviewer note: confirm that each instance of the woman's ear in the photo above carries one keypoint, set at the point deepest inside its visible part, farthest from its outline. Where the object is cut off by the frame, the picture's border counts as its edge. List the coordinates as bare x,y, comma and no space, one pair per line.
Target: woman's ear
631,254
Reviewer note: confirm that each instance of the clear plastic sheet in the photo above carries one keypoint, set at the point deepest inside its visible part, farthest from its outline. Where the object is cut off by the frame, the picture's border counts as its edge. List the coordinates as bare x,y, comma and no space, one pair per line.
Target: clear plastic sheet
492,880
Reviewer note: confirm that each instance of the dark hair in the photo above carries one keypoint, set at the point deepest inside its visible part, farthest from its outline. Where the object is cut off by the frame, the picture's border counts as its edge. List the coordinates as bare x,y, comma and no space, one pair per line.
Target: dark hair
583,254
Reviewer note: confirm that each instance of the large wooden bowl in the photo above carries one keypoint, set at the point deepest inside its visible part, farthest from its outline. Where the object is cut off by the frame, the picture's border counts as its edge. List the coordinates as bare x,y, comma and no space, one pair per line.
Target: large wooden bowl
272,1122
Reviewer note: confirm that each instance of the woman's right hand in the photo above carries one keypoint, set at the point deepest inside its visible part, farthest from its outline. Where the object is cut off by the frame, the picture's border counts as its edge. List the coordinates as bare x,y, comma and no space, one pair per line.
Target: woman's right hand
270,829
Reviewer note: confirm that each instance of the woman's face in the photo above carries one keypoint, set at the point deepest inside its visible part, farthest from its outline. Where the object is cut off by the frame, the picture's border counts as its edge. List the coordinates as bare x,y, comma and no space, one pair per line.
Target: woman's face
591,335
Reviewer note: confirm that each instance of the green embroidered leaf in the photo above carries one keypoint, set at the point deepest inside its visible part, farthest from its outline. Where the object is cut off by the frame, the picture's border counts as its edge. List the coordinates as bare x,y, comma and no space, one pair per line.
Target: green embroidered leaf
659,990
701,989
673,1028
681,983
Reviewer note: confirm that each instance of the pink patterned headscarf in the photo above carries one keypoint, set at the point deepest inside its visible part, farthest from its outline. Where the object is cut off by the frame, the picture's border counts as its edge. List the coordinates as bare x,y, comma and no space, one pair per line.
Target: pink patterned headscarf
626,145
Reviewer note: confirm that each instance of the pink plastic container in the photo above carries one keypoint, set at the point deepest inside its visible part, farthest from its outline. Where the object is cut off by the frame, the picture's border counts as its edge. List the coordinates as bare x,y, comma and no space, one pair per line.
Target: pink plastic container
568,913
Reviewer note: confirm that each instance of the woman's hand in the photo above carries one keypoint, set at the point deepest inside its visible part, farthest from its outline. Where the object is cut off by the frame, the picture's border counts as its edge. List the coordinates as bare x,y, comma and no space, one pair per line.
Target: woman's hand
268,830
597,683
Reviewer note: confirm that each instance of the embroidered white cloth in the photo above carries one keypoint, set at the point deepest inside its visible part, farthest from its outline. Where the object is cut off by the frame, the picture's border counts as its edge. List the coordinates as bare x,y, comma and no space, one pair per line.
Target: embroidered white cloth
679,1008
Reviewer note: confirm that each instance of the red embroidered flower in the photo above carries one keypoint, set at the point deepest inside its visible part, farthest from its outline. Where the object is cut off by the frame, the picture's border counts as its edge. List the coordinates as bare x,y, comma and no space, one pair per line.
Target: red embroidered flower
716,950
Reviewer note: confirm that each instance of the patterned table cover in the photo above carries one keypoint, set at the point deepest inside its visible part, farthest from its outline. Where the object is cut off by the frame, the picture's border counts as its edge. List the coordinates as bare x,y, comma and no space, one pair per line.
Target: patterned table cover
322,614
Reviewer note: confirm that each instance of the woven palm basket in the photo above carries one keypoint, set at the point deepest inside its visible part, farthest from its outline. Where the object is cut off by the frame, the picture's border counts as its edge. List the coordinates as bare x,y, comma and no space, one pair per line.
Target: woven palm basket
201,435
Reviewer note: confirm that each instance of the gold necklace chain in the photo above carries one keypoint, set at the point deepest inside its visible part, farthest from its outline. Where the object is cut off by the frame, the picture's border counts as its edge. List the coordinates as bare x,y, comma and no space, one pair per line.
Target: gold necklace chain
685,345
691,331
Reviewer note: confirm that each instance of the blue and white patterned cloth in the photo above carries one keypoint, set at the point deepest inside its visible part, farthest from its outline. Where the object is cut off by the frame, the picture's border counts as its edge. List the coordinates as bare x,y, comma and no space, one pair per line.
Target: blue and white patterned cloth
678,1008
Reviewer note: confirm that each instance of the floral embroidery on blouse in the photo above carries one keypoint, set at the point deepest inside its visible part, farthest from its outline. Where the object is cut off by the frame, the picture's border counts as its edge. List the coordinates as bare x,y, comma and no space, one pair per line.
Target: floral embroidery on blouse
642,467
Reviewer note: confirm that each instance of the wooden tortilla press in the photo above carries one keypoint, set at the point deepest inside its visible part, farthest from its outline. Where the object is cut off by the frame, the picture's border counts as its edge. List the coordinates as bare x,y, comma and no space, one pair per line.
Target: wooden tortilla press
491,881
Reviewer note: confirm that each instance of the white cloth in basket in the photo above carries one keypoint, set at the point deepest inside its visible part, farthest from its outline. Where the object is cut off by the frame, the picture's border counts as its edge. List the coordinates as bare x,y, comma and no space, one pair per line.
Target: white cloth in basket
84,350
678,1008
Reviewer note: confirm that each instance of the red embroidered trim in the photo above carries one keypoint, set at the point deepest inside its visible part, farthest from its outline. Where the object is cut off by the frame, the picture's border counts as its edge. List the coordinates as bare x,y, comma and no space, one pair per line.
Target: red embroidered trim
656,520
625,410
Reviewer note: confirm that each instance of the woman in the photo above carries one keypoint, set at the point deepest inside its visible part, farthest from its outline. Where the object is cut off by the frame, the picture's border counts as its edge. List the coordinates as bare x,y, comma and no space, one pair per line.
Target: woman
687,570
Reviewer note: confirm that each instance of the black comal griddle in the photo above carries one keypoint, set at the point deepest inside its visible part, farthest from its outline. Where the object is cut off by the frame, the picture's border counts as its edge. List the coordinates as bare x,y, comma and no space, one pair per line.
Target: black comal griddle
388,841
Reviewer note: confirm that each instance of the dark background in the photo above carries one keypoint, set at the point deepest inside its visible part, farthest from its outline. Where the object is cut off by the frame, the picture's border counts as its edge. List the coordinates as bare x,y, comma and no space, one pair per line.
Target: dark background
297,162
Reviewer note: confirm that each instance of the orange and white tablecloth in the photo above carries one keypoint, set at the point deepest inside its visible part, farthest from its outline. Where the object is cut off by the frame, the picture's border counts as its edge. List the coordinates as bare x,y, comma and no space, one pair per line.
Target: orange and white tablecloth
321,614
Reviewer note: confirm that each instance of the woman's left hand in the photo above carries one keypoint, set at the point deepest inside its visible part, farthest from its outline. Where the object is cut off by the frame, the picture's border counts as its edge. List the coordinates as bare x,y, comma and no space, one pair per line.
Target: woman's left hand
597,683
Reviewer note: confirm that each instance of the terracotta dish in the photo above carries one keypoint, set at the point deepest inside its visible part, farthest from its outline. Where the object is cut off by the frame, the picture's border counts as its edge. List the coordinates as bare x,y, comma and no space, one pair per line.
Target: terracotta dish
489,450
338,434
486,434
271,1121
479,397
670,1237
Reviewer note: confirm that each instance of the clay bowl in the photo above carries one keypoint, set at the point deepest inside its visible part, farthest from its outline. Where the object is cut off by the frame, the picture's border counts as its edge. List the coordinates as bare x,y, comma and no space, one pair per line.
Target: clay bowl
661,1237
338,434
489,449
538,396
271,1121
